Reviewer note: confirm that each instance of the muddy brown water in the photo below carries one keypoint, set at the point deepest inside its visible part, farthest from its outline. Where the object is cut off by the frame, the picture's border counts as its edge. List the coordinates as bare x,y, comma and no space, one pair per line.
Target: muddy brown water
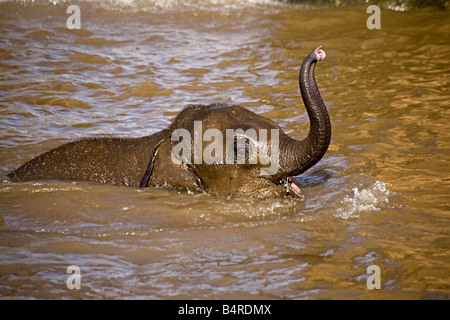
380,196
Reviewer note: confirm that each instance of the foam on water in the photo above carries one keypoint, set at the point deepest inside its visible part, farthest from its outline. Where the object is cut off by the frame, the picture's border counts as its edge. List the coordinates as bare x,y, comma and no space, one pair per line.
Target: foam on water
372,198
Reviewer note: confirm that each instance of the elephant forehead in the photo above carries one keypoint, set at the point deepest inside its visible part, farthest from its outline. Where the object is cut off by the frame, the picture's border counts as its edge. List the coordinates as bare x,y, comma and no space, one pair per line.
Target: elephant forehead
229,117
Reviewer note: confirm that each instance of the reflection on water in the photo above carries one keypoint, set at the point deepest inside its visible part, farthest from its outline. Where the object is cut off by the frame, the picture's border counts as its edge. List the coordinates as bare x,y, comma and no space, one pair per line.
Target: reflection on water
379,196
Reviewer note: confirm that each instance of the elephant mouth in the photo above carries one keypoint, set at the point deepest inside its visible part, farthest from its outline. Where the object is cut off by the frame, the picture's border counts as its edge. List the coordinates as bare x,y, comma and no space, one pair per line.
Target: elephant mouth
292,189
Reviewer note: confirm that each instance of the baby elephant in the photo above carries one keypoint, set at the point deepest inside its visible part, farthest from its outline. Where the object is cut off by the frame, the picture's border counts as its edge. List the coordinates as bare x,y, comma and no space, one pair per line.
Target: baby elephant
221,149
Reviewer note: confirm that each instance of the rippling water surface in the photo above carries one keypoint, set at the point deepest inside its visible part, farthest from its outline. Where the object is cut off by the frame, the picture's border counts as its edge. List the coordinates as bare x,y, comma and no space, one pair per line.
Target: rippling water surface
380,196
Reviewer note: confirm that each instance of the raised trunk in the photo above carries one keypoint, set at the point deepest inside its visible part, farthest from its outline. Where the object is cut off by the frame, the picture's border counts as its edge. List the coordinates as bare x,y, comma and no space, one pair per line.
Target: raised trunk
298,156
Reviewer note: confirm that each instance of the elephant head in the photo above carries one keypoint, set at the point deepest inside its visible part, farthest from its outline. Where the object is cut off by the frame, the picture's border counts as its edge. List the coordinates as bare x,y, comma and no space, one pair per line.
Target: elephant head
262,164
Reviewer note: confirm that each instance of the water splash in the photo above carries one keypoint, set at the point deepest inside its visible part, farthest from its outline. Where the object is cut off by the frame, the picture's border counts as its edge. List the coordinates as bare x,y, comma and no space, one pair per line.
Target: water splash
372,198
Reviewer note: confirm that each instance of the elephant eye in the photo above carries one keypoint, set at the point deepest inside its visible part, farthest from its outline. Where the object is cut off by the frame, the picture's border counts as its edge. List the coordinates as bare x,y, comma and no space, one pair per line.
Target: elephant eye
245,150
241,149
